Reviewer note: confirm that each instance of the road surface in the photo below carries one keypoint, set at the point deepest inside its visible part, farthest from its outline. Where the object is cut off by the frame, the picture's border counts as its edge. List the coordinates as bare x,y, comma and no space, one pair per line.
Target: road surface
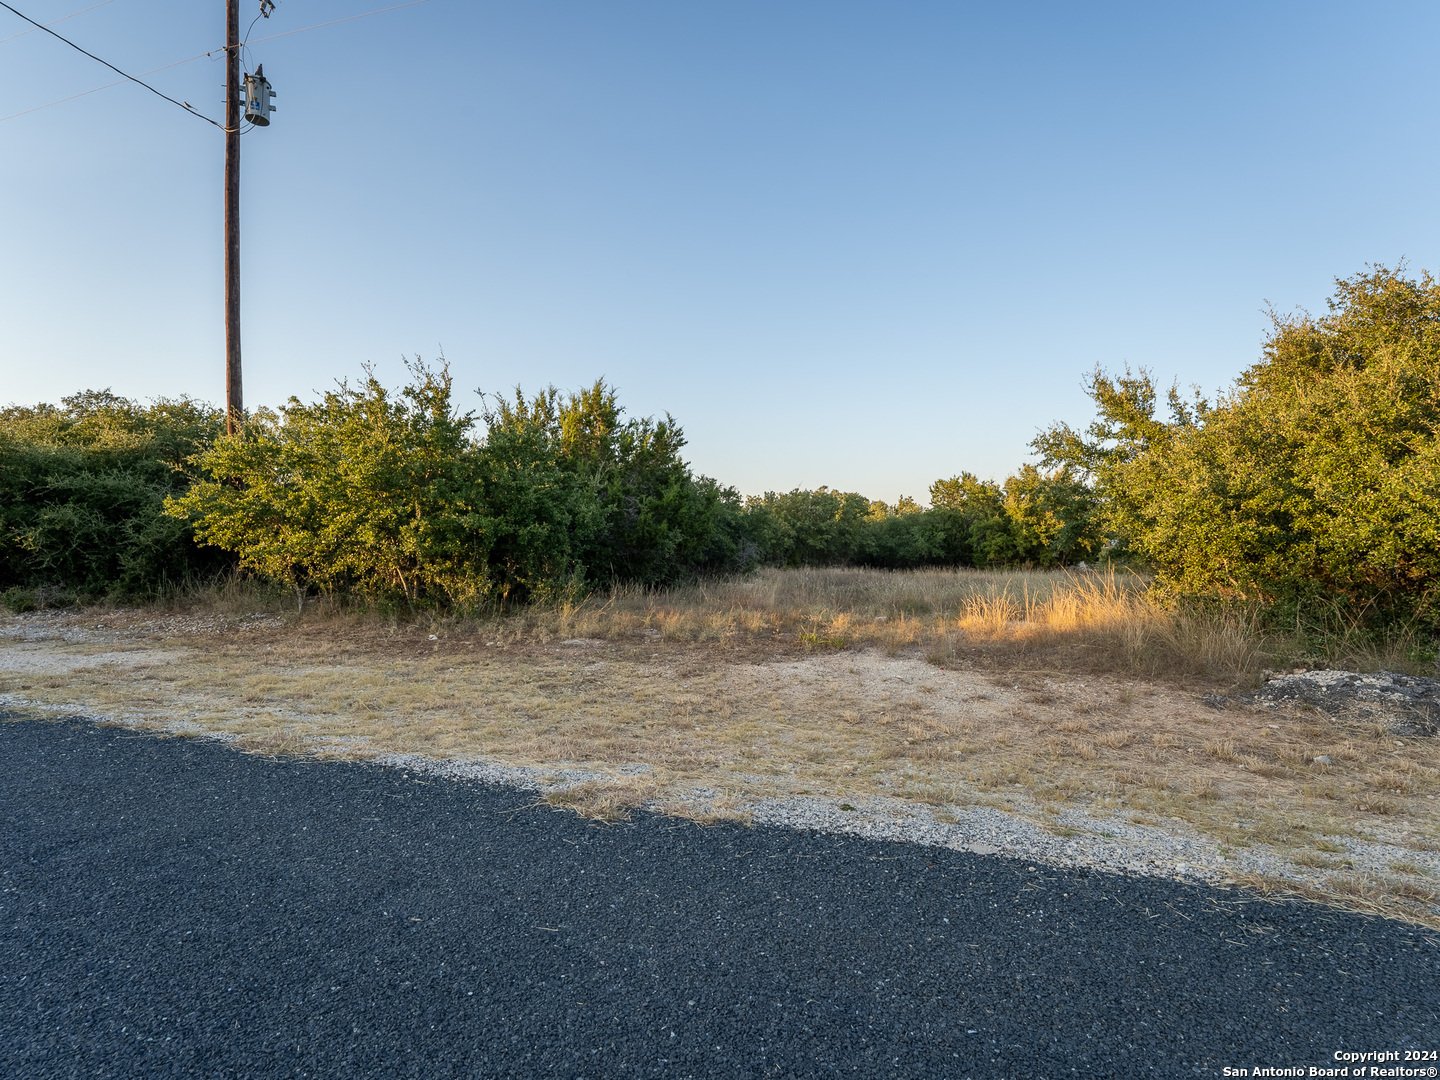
174,908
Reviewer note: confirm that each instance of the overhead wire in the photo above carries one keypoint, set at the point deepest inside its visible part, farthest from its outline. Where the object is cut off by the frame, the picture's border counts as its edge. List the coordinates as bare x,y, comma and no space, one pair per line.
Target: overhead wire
245,42
52,22
180,104
107,86
335,22
187,60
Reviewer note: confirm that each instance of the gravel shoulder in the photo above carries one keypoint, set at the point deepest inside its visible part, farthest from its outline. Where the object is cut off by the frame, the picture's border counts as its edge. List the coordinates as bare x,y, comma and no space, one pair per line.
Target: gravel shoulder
173,908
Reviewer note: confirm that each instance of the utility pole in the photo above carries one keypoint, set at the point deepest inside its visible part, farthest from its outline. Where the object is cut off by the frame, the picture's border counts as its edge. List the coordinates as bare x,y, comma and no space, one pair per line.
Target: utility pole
234,394
255,106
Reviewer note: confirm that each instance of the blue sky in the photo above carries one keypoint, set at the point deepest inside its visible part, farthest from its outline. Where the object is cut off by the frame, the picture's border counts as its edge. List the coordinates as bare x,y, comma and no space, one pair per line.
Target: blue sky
864,245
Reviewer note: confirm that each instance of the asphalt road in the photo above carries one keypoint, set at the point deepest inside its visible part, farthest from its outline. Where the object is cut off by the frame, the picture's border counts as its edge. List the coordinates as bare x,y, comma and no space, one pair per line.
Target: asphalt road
171,907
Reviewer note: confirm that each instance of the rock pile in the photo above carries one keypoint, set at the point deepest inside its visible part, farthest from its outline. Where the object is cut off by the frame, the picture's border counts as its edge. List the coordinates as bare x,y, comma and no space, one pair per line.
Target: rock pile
1406,704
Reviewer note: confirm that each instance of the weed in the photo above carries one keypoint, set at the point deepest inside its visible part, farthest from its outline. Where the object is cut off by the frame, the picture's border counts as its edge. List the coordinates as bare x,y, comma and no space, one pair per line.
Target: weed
1314,861
608,800
1400,866
1374,804
1205,789
1221,749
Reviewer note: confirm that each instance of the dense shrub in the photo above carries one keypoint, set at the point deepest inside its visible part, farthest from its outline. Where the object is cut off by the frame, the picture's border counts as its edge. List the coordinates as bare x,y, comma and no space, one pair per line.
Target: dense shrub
807,528
359,490
1313,485
397,498
82,492
549,495
649,518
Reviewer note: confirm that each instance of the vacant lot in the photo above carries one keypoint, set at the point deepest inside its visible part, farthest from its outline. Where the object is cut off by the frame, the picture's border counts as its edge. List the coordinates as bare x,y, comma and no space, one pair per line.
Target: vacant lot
1073,702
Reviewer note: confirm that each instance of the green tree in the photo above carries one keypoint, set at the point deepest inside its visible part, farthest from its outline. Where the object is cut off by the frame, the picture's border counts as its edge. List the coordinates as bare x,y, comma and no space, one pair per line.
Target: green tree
903,535
1052,517
1124,432
989,533
1314,483
808,528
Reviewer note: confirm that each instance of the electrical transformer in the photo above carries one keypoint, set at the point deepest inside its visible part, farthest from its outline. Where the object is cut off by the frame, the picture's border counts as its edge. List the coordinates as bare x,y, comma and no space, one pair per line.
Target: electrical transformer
258,106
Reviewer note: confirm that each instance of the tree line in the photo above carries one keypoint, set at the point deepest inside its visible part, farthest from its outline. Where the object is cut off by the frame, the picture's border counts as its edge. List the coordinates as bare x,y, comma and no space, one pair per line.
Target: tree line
1314,482
401,497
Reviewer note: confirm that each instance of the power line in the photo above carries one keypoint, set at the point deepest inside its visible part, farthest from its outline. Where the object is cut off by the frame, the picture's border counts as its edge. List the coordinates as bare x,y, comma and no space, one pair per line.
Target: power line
96,90
187,60
62,18
112,67
333,22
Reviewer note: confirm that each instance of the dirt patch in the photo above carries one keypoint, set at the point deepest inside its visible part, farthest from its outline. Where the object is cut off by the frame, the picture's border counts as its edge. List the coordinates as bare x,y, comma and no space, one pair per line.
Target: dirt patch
38,660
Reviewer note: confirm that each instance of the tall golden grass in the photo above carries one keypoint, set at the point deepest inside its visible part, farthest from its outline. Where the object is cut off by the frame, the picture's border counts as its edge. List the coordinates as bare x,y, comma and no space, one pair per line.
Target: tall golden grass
1090,620
1114,624
1094,620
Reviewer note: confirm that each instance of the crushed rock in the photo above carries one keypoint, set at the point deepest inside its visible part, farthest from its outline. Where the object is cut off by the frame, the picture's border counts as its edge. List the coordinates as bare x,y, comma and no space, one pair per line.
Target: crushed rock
80,627
35,661
1110,844
1407,704
1072,839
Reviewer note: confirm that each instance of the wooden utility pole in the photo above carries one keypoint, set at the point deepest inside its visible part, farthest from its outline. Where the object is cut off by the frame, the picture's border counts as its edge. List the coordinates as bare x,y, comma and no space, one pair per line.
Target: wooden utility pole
234,395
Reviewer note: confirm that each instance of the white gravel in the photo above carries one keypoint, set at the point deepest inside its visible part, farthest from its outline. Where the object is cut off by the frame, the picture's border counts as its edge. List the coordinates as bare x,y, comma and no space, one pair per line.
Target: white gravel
1109,843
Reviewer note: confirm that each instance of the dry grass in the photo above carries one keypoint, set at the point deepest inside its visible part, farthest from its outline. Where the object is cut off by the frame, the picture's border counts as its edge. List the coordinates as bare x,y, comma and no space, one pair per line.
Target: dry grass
1079,621
605,800
1092,620
1049,692
1375,896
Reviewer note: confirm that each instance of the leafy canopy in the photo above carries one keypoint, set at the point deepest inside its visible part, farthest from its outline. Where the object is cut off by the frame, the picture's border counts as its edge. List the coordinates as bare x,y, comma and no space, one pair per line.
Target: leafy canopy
83,486
1313,483
402,497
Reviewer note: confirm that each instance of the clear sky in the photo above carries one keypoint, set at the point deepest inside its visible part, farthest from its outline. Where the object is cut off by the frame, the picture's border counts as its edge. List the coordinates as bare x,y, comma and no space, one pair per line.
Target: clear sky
863,245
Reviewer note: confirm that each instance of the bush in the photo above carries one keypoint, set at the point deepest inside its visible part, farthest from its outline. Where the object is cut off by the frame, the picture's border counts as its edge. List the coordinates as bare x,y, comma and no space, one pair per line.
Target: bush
648,519
359,490
84,486
394,496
